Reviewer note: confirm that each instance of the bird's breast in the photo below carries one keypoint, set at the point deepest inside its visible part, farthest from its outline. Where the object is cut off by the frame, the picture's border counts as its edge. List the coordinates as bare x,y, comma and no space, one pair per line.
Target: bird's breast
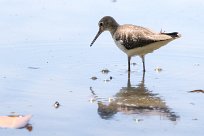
120,45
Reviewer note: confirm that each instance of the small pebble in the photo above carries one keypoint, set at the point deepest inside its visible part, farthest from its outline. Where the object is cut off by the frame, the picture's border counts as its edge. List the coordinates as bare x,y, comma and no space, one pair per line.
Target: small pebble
94,78
29,127
105,71
33,68
192,103
158,69
197,64
138,120
134,63
106,80
57,104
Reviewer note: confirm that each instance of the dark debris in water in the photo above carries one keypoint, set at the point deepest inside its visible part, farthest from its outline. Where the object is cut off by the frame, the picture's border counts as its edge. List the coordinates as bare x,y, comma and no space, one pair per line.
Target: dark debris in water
29,127
158,69
105,71
197,64
138,120
56,104
33,67
192,103
108,80
134,64
94,78
197,91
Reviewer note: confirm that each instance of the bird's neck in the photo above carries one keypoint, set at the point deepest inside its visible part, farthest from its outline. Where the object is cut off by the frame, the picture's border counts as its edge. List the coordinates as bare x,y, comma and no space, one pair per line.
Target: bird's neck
114,28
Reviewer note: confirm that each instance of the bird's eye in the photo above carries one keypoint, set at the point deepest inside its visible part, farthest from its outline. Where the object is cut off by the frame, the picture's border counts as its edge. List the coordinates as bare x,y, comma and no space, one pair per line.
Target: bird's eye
101,24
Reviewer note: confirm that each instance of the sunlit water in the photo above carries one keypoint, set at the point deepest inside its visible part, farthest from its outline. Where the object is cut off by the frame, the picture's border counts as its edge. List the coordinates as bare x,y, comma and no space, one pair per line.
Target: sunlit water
45,57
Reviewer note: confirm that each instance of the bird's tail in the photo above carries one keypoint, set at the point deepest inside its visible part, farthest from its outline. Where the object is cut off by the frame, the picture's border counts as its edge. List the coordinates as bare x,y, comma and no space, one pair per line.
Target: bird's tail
173,34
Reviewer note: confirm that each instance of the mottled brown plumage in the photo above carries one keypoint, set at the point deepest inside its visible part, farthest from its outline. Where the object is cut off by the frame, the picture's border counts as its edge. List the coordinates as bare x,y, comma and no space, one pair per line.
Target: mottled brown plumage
137,36
132,39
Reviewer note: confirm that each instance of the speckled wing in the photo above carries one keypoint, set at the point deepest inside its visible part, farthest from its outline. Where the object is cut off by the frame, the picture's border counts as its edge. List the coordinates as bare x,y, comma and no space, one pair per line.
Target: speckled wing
131,36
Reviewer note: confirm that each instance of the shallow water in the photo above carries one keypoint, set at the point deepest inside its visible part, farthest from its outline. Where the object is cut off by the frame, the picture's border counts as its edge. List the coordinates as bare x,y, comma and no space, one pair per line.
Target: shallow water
45,57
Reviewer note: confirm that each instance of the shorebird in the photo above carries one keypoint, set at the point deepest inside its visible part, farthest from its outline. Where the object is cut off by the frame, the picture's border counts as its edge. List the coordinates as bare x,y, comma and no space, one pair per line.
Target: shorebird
134,40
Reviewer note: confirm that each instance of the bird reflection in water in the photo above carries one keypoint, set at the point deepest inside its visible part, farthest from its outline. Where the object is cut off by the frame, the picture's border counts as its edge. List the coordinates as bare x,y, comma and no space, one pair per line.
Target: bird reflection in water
136,100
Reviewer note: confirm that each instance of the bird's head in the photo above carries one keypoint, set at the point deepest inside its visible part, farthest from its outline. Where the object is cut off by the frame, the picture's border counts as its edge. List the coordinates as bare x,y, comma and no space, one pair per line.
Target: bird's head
107,23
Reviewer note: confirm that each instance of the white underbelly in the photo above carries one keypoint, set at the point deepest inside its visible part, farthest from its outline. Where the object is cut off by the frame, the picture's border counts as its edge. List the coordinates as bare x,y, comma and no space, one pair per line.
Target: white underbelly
140,51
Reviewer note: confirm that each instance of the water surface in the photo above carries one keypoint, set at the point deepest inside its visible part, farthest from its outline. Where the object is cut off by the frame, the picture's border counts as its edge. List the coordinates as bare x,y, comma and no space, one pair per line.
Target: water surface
45,57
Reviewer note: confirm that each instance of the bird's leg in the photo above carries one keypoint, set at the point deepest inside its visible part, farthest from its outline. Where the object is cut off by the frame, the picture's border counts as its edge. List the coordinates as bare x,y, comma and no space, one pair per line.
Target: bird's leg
143,62
129,58
143,78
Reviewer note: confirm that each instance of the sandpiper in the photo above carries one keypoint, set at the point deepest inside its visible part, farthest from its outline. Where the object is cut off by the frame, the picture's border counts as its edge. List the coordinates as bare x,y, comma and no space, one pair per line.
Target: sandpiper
134,40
